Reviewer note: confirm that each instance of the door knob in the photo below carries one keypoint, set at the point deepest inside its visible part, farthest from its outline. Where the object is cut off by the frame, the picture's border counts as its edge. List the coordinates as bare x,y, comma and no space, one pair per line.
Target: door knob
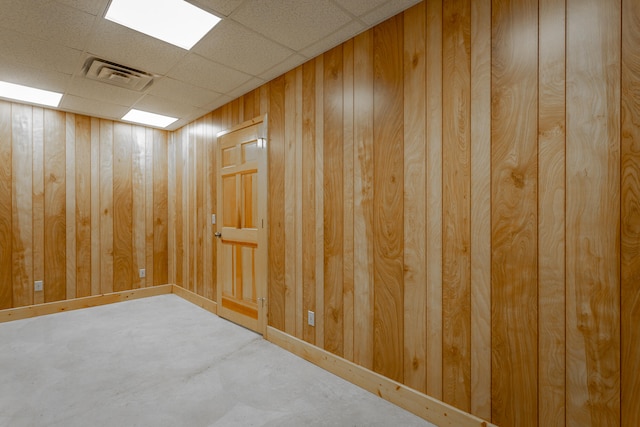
218,234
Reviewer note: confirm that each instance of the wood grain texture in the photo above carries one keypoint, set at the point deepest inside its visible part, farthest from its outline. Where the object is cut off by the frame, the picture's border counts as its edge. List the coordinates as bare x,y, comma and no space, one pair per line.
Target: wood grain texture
70,166
160,208
178,198
55,247
22,204
290,241
348,114
481,208
630,214
363,199
95,206
38,200
514,268
333,172
593,213
276,203
106,206
551,209
434,198
456,215
138,204
415,203
308,202
148,208
388,358
122,207
83,205
319,201
6,173
300,318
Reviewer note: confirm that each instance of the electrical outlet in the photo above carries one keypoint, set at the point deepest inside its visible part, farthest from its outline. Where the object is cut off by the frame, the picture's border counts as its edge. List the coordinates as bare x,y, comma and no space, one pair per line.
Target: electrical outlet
38,286
311,318
213,218
143,273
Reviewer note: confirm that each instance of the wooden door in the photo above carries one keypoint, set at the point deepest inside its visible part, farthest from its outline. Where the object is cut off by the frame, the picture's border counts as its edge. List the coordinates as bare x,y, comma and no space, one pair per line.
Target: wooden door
241,225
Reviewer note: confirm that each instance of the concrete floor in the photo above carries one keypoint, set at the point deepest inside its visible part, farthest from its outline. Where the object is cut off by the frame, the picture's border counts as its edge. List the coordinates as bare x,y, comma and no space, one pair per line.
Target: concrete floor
163,361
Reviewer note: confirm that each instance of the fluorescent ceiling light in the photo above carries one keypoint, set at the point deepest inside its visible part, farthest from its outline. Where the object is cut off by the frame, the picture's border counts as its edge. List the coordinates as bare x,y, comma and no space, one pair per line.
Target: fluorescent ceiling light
173,21
146,118
29,94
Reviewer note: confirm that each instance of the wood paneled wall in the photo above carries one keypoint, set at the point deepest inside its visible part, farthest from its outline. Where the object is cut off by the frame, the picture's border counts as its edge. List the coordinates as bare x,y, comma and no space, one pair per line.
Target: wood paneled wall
456,194
83,205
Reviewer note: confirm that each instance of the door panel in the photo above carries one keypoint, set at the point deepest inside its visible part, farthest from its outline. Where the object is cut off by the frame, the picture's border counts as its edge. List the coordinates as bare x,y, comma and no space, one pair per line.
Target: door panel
242,226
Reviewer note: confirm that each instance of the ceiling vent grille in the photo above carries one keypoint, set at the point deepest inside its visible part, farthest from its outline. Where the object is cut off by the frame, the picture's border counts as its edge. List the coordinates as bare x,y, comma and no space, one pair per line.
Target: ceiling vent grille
118,75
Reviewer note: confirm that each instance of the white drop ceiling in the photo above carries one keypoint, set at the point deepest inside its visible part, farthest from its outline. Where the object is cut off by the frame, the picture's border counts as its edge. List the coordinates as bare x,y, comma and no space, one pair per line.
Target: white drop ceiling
46,43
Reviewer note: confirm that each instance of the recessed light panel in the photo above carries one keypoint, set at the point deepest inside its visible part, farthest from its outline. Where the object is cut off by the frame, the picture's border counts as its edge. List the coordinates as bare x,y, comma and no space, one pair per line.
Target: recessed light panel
173,21
150,119
29,94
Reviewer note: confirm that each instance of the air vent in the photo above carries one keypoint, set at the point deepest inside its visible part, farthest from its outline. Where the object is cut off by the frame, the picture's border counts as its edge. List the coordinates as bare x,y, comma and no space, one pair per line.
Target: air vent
118,75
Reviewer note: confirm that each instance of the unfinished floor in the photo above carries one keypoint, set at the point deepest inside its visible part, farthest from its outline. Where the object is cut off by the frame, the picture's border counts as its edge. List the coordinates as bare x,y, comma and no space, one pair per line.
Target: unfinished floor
162,361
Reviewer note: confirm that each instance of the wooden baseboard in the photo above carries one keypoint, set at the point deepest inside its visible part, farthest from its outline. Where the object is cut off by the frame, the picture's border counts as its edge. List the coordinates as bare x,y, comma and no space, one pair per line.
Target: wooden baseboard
426,407
196,299
78,303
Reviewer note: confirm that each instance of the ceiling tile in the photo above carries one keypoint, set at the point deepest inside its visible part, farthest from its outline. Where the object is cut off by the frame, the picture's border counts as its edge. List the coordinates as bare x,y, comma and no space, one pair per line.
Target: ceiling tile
178,91
231,44
359,7
293,23
334,39
94,7
288,64
50,21
35,77
388,9
37,53
167,107
246,87
198,71
93,107
122,45
92,89
218,7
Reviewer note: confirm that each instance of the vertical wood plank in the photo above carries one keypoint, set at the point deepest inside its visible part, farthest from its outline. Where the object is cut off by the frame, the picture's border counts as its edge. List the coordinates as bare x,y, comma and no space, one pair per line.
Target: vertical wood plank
363,199
348,247
333,157
122,207
388,209
55,247
514,213
308,189
138,212
83,205
171,208
200,206
22,204
6,173
211,131
71,205
456,188
551,208
106,206
161,260
630,204
95,206
434,198
415,207
300,320
481,208
148,250
290,202
276,203
593,212
38,199
177,200
319,177
190,208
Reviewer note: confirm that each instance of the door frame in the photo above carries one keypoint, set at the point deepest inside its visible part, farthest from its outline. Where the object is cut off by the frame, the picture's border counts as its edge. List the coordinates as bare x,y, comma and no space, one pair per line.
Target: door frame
262,251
